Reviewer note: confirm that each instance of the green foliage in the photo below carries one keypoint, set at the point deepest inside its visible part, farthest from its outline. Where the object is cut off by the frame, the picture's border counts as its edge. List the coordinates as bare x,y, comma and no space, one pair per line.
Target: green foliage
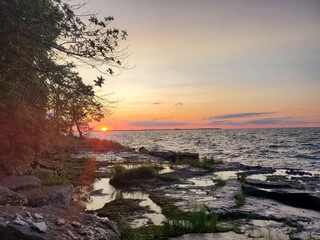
220,182
197,221
240,199
169,177
127,177
241,177
58,177
205,163
38,38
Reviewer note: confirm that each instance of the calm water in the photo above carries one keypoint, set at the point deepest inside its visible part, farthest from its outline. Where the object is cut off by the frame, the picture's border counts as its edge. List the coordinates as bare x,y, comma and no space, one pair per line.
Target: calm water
294,148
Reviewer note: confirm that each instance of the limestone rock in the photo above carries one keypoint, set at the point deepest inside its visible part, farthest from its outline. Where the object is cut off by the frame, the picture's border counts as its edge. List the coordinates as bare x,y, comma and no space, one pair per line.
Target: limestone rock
55,195
9,197
40,226
60,221
16,183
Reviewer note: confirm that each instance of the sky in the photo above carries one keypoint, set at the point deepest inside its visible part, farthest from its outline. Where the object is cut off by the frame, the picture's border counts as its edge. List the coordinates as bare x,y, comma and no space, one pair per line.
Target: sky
214,63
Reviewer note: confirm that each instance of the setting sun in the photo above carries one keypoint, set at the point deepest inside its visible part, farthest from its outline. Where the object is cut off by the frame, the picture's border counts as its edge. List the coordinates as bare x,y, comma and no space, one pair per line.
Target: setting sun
103,129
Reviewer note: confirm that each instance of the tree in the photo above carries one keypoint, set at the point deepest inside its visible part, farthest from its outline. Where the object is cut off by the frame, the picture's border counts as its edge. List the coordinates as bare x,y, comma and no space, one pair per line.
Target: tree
38,40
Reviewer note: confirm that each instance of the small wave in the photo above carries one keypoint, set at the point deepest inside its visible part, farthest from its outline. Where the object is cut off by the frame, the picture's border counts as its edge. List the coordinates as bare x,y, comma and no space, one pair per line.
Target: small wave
277,146
303,156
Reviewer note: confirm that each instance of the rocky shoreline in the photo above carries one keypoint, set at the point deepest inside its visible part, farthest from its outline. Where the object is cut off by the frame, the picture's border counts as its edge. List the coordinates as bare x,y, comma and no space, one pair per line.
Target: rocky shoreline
287,201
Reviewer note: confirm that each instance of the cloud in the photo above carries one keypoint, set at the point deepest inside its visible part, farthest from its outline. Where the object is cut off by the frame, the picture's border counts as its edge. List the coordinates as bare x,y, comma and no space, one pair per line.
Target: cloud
218,123
238,115
262,121
266,121
157,124
179,104
156,103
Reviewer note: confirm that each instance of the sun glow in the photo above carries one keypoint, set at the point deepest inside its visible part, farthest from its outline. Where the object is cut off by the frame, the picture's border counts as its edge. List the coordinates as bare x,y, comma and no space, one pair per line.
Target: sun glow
104,129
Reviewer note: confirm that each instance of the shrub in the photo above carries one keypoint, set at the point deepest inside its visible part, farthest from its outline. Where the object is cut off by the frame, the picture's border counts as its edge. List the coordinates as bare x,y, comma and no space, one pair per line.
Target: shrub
240,199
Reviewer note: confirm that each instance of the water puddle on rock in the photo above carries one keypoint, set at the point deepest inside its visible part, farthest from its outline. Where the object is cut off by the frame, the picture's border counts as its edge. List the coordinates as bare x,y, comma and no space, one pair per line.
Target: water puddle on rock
103,193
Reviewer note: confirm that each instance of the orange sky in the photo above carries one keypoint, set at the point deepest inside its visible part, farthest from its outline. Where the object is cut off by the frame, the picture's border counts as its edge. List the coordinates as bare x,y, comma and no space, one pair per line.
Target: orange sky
229,64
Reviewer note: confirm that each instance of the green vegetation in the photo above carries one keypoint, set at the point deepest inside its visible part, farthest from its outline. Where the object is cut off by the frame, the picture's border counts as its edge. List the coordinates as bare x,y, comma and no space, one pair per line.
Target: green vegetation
205,163
128,176
220,182
241,176
42,96
240,199
57,177
276,178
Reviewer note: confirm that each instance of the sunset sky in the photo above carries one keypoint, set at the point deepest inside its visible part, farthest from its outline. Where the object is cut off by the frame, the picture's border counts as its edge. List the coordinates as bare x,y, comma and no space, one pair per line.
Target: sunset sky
215,63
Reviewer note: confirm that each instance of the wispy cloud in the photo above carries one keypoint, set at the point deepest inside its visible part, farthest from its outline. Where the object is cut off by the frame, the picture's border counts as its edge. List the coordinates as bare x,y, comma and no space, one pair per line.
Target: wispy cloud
157,124
238,115
156,103
262,121
266,121
179,104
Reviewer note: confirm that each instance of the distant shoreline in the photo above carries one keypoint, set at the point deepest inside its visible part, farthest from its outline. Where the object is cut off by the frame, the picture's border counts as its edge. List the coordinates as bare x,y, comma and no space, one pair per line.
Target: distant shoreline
189,129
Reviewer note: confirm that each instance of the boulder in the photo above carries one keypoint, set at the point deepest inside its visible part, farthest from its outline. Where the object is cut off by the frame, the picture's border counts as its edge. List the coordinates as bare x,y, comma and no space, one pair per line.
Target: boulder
9,197
60,195
24,182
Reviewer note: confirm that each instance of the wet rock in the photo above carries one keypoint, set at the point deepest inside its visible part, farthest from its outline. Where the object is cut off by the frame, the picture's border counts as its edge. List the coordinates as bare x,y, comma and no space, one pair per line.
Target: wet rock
54,195
143,150
173,156
39,226
274,184
298,172
16,183
292,197
9,197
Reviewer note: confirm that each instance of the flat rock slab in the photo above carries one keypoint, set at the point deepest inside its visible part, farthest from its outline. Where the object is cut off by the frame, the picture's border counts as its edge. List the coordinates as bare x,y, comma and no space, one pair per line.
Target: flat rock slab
16,183
10,197
55,195
210,236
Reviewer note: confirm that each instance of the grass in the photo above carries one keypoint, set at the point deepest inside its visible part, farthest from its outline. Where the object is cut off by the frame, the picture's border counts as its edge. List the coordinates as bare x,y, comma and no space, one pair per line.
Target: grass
241,176
205,163
127,177
240,199
220,182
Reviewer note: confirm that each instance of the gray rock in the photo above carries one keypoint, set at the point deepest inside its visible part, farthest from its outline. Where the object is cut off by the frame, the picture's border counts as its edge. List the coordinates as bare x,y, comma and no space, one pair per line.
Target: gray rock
76,224
60,221
20,222
49,195
40,226
9,197
38,216
16,183
72,235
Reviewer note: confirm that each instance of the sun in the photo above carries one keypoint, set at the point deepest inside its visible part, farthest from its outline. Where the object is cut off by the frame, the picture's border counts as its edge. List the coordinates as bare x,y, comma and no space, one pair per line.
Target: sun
103,129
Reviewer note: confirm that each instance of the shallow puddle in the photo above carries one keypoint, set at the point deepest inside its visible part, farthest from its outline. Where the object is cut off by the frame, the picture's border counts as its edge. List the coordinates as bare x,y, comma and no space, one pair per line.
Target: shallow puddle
108,193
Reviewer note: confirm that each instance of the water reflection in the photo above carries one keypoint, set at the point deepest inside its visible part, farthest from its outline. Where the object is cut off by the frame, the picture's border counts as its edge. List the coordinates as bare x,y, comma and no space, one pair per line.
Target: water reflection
107,193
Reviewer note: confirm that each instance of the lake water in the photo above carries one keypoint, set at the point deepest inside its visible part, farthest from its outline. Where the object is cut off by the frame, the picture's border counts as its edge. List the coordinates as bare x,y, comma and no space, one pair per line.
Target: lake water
287,147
